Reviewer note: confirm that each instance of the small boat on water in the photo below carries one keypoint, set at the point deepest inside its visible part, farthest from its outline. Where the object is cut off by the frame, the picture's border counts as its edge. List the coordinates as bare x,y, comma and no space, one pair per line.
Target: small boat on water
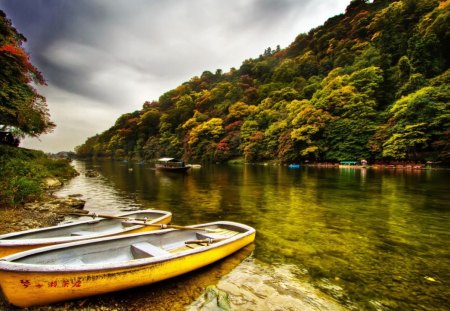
69,271
99,227
171,165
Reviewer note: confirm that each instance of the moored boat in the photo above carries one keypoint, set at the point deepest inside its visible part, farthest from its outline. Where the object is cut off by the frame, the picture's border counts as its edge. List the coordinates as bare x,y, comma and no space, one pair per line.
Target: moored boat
171,165
85,268
99,227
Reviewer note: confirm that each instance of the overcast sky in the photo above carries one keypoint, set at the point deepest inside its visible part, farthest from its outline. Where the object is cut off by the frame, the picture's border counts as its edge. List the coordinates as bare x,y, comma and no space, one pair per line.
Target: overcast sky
104,58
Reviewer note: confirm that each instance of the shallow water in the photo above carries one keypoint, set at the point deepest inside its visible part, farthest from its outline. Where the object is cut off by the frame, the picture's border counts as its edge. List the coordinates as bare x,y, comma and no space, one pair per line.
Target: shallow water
370,239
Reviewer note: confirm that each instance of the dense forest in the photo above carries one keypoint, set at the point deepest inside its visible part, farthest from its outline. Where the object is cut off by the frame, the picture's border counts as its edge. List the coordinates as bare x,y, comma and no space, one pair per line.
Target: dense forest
373,83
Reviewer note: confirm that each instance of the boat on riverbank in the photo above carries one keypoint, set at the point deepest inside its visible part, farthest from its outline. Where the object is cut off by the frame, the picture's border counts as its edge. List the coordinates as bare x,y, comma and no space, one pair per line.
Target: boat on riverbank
98,227
85,268
171,165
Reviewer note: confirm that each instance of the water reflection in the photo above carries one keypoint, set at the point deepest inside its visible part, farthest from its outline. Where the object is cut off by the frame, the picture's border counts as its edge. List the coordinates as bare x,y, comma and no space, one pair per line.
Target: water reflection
101,193
379,235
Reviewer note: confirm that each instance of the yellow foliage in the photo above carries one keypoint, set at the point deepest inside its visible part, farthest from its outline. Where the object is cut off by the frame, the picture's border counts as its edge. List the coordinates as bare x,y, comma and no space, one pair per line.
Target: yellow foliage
209,129
375,36
444,4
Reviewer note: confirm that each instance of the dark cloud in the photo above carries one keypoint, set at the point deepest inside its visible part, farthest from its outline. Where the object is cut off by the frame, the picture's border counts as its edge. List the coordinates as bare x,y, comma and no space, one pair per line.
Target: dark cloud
114,55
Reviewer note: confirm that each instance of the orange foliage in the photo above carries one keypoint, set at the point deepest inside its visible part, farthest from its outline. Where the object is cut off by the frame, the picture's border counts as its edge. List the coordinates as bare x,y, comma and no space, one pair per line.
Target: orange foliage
444,4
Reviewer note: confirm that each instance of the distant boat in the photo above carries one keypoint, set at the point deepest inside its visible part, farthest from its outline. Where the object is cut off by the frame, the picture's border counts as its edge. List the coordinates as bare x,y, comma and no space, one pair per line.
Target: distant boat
171,165
86,268
82,230
294,165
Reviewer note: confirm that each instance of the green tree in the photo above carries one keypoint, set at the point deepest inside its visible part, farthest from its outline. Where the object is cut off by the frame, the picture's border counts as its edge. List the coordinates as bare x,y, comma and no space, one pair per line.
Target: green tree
352,104
417,120
308,126
149,122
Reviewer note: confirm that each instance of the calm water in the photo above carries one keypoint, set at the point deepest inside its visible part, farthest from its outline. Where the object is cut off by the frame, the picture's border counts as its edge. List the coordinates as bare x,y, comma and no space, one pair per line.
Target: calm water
371,239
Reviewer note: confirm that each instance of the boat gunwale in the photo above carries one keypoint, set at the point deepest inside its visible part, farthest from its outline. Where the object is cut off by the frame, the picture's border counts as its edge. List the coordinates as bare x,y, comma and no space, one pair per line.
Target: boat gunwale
6,240
7,263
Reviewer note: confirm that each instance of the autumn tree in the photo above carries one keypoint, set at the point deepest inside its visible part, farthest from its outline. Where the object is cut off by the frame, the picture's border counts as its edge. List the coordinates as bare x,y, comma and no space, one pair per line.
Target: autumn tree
22,109
203,139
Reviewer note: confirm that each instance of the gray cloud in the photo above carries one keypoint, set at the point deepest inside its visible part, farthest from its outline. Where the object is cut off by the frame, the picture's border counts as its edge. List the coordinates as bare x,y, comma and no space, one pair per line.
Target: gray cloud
108,57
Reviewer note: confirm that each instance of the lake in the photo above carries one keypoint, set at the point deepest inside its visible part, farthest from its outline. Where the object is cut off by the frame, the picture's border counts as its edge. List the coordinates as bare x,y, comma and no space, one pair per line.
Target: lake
327,238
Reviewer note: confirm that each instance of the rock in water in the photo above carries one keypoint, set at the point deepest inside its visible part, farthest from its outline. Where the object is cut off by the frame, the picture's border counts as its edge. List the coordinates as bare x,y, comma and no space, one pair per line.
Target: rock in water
50,183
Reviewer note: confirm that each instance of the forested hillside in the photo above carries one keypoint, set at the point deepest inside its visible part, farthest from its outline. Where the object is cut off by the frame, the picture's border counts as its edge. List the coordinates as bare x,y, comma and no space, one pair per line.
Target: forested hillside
373,83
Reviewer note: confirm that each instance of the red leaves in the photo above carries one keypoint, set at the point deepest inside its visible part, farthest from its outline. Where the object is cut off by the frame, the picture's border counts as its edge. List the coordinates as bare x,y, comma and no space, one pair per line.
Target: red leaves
18,53
12,49
233,126
223,145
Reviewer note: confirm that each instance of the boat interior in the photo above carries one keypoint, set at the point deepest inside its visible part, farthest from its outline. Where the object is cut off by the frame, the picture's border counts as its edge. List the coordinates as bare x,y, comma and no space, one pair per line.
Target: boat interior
125,248
93,227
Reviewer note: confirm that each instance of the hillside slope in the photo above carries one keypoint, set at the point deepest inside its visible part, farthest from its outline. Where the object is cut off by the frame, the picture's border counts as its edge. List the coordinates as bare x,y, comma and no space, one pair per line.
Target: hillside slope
373,83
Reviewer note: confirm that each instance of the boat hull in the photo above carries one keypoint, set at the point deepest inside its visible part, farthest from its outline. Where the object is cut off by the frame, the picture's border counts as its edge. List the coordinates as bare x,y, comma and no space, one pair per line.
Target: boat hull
173,169
9,245
25,287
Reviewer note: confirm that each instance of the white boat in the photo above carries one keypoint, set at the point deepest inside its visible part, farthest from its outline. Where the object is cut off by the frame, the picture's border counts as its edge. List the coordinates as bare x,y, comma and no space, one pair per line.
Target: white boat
171,165
100,227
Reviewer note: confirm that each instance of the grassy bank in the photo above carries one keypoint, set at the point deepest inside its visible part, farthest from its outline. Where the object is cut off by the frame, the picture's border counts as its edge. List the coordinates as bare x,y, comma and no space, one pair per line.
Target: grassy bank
23,173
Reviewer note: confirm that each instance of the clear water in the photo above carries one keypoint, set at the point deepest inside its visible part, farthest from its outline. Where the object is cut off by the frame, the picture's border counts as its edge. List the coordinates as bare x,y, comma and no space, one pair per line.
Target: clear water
371,239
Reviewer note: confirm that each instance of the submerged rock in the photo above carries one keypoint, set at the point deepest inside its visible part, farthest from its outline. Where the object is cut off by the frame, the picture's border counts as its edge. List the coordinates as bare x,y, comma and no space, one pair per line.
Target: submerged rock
91,173
75,195
255,286
215,299
72,202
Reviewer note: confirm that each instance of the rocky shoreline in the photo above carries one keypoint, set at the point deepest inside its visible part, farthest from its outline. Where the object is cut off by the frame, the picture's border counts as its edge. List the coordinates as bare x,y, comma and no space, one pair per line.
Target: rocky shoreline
49,210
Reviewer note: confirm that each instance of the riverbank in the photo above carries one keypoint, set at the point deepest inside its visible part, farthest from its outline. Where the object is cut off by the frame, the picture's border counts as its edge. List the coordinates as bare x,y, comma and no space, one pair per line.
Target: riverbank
27,174
47,211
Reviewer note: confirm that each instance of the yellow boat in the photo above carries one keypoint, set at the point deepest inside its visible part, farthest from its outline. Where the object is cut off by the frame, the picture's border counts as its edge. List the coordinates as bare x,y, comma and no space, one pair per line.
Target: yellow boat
85,268
100,227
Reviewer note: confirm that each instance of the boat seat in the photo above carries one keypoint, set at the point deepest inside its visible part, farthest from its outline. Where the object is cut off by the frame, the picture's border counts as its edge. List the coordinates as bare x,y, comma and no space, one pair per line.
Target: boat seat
82,233
144,249
202,236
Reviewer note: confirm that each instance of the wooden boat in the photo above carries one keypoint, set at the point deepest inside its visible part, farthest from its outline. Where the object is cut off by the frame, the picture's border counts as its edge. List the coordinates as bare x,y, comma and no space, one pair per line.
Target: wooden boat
100,227
69,271
171,165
